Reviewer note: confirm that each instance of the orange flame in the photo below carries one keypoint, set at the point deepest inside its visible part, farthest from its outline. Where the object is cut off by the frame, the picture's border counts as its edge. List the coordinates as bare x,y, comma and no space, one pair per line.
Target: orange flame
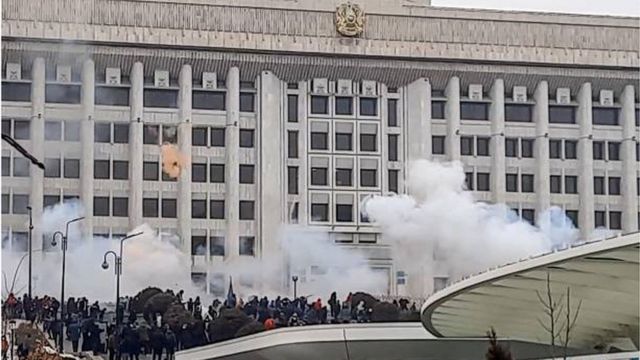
173,161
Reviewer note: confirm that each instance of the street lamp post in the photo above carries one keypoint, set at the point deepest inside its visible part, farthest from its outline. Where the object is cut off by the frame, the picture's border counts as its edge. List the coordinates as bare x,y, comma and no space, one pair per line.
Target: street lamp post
295,286
118,271
63,245
30,247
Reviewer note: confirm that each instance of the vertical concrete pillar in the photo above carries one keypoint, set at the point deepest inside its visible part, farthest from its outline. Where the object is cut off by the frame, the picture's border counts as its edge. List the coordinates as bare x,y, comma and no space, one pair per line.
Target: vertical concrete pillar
498,160
231,166
541,118
452,114
418,122
136,96
184,144
586,216
629,163
87,138
37,148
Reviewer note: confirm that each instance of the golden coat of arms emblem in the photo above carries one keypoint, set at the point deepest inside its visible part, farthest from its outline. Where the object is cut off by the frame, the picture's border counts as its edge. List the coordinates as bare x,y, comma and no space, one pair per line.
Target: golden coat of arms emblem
349,20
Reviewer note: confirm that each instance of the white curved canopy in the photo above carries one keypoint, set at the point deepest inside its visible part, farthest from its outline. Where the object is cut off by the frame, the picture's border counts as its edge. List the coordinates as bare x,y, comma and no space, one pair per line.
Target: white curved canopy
603,277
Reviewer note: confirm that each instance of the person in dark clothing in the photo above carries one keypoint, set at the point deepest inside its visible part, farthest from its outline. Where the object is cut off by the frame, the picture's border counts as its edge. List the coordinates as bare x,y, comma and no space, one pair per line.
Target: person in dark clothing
333,302
111,343
157,342
73,333
190,306
170,343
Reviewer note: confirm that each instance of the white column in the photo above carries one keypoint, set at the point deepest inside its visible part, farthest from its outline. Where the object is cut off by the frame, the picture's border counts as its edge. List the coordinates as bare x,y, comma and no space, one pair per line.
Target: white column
418,122
629,163
86,160
37,148
231,166
585,154
498,161
541,118
452,114
135,145
184,143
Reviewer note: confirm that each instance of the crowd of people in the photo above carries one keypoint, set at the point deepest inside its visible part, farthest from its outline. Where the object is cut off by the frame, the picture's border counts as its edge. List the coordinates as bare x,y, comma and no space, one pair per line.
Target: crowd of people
160,333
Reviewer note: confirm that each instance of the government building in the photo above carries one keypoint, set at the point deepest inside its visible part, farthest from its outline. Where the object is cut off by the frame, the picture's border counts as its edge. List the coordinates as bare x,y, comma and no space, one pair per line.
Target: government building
294,111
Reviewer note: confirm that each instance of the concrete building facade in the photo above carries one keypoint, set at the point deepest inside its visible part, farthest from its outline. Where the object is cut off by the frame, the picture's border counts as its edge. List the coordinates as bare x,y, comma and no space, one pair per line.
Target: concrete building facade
285,120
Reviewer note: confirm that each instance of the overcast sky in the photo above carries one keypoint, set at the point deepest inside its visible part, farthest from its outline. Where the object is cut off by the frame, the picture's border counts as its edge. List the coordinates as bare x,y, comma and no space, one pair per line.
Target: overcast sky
599,7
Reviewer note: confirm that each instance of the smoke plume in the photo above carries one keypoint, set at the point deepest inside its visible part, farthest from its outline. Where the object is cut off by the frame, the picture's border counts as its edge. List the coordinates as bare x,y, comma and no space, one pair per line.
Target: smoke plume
173,161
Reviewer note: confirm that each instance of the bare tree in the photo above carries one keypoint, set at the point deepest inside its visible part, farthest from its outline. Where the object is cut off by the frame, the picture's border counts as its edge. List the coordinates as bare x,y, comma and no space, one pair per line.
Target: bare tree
570,322
496,351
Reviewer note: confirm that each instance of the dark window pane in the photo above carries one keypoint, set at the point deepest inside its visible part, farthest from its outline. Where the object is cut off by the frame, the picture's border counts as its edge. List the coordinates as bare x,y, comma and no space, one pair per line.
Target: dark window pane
246,210
343,177
605,116
47,201
216,209
216,173
570,184
199,172
117,96
72,168
101,206
573,216
6,166
21,167
292,144
53,130
21,130
292,180
216,246
615,220
466,145
437,145
344,105
246,138
246,174
169,208
14,91
151,135
319,212
562,114
614,186
319,141
198,245
555,149
368,177
120,206
517,112
169,134
598,150
393,147
161,98
150,170
51,168
318,176
150,207
208,100
101,169
392,112
62,94
319,104
247,102
292,108
368,142
529,215
482,146
20,203
344,141
474,111
526,148
527,183
393,181
511,147
120,170
121,133
598,185
6,127
570,149
344,213
437,109
217,137
555,184
482,182
247,245
601,219
512,182
199,136
614,151
368,106
468,180
72,131
102,132
198,209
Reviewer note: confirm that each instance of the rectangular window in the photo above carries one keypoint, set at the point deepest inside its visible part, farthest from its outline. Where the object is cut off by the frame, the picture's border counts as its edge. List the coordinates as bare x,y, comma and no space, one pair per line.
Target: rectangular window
614,185
344,142
16,91
517,112
199,173
598,185
20,203
529,215
51,168
62,94
598,150
555,184
319,104
160,98
120,133
393,147
217,137
216,209
114,96
6,127
466,145
198,245
468,180
437,109
120,206
600,219
292,108
246,210
482,146
199,136
343,177
570,184
512,182
570,149
198,209
511,147
605,116
318,176
482,182
151,135
169,134
101,206
474,111
102,132
437,145
368,177
562,114
393,181
247,174
319,141
292,144
216,173
72,168
319,212
368,106
392,112
216,246
526,148
169,207
344,213
150,170
120,170
246,138
247,102
527,183
292,180
247,245
21,167
47,201
368,142
52,130
101,169
344,105
614,150
615,220
555,149
573,216
208,100
6,166
21,130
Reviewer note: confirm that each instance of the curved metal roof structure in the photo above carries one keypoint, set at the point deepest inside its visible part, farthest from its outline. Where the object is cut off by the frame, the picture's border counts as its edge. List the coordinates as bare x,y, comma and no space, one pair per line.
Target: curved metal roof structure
602,275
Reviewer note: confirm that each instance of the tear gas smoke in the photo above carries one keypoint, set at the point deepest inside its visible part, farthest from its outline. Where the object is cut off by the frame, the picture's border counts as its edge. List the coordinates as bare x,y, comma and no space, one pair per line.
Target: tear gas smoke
173,161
